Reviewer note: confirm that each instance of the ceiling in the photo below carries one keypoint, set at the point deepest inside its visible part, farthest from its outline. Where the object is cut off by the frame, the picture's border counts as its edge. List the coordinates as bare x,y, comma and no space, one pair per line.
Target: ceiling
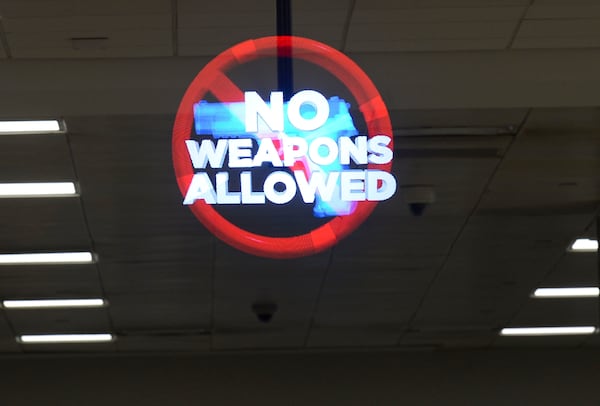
508,90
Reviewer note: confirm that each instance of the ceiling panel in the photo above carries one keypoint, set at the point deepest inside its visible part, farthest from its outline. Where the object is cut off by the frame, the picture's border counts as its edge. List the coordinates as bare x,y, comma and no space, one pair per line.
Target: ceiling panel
561,167
76,348
554,33
540,342
30,158
492,269
129,189
567,10
49,281
574,269
242,280
163,342
431,339
466,3
45,321
43,225
431,29
558,312
62,8
8,343
47,32
501,119
234,20
154,295
324,21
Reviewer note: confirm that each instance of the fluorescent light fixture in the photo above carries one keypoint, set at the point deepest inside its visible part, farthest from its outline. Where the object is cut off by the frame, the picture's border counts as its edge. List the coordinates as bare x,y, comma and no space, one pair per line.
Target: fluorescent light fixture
38,189
52,303
30,127
566,292
547,331
584,245
47,258
65,338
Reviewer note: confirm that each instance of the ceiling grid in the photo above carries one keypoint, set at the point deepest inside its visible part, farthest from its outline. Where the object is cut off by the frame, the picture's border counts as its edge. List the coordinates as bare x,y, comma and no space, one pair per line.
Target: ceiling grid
505,207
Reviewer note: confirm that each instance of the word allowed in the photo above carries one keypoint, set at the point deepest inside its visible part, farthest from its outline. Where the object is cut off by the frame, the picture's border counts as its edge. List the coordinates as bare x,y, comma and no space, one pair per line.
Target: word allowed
312,136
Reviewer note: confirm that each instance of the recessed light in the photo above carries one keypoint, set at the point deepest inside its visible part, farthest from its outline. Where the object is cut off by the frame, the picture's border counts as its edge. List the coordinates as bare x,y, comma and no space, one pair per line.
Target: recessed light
38,189
65,338
52,303
584,245
47,258
547,331
566,292
30,127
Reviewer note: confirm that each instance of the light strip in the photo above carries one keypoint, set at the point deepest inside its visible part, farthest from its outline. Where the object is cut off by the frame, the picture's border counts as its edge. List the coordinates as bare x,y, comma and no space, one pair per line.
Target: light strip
547,331
38,189
47,258
52,303
30,127
65,338
566,292
584,245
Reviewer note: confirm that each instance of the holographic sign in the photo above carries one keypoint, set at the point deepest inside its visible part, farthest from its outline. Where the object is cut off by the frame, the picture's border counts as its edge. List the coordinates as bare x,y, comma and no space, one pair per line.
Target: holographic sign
310,144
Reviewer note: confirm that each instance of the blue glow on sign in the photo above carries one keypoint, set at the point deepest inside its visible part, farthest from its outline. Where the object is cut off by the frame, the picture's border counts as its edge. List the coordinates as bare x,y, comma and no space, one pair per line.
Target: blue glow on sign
314,137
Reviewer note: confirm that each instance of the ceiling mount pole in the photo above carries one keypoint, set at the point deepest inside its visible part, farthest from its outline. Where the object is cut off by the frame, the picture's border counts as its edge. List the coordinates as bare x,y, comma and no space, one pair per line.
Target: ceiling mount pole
285,81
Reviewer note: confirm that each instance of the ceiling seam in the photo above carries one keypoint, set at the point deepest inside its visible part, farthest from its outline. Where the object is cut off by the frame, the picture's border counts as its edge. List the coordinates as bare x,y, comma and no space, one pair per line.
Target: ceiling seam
346,27
315,310
91,240
462,228
4,40
12,329
517,29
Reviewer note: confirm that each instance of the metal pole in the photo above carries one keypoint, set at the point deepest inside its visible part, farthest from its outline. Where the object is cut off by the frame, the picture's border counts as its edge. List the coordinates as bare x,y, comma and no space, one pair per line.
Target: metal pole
285,81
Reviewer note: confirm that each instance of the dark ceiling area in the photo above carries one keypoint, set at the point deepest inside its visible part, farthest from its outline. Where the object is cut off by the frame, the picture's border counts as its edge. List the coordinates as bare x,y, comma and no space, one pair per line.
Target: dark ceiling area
494,107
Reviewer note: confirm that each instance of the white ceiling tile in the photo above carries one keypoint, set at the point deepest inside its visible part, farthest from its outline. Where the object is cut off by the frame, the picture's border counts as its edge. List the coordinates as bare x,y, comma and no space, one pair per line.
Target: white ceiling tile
309,6
240,6
471,3
565,2
54,321
49,281
180,309
437,339
563,33
573,270
429,36
436,15
162,342
262,337
540,342
354,336
83,24
557,312
56,44
568,10
8,343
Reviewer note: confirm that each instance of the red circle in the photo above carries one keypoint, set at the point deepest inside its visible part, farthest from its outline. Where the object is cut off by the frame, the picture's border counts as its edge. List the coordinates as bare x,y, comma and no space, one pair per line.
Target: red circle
212,79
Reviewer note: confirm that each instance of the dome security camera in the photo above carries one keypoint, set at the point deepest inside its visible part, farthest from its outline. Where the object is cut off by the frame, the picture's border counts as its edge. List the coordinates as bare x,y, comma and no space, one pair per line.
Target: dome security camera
418,197
264,311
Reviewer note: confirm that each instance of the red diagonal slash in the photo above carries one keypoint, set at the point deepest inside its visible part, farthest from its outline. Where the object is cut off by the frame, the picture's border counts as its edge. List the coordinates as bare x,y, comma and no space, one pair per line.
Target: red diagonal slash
212,78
